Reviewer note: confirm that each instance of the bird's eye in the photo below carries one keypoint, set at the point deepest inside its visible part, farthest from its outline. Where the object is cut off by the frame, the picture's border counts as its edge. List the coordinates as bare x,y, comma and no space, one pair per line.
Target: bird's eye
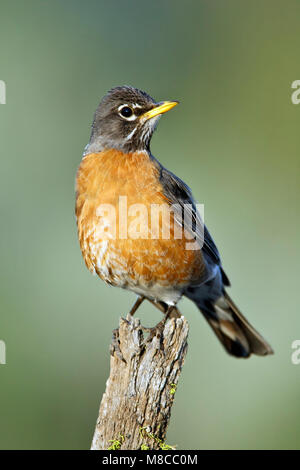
126,112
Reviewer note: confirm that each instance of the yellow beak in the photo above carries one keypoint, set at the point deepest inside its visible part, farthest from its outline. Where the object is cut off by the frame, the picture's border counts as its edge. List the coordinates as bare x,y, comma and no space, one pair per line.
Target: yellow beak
159,109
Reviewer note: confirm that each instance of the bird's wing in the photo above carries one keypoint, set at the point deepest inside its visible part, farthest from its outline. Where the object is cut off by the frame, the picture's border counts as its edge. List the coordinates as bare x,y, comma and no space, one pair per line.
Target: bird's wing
180,197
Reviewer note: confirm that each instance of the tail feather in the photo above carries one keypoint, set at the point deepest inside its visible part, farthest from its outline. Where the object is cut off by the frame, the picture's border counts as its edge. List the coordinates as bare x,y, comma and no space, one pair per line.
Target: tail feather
238,337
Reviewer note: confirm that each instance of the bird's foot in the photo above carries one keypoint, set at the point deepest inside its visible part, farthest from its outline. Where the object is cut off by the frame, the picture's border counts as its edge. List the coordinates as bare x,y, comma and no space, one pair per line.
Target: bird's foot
115,346
115,343
157,330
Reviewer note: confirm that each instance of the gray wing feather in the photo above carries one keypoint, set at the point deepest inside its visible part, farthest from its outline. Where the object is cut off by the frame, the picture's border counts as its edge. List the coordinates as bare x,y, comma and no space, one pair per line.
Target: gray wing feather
181,195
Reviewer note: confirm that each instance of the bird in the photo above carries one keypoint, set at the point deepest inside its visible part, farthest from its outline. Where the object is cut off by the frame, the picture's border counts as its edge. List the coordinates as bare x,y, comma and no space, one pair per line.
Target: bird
119,178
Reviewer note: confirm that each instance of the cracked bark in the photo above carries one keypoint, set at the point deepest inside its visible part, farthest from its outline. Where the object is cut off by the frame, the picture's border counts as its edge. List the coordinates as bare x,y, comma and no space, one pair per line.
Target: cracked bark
139,393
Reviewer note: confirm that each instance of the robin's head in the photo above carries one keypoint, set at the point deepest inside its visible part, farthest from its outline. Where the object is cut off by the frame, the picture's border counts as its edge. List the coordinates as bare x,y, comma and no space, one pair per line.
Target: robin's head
125,120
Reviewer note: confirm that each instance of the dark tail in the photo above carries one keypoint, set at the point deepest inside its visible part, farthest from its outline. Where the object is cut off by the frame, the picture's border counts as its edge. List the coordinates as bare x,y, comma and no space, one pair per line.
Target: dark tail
238,337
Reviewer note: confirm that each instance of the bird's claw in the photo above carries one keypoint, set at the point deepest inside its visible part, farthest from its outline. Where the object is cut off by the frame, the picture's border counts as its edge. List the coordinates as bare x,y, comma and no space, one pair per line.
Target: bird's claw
115,346
156,331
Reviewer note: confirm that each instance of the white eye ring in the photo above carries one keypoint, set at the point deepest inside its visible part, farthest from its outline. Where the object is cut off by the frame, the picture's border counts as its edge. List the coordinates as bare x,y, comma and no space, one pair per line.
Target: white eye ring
132,117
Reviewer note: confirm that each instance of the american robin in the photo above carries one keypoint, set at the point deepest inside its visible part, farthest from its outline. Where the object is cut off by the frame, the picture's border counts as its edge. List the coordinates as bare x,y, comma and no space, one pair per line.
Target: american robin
119,178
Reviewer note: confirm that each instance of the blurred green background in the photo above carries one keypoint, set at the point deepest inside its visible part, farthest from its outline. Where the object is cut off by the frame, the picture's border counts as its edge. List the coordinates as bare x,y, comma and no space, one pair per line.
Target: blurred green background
234,139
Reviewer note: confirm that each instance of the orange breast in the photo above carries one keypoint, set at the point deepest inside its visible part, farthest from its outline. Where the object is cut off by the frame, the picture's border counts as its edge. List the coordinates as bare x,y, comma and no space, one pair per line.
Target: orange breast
134,248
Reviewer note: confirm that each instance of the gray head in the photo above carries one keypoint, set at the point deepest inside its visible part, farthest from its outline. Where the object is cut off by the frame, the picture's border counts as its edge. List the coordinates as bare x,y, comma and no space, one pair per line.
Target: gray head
125,120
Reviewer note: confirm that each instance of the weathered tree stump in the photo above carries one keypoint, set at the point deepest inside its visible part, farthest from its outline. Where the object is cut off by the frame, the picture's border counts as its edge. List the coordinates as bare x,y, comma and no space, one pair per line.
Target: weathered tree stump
136,406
